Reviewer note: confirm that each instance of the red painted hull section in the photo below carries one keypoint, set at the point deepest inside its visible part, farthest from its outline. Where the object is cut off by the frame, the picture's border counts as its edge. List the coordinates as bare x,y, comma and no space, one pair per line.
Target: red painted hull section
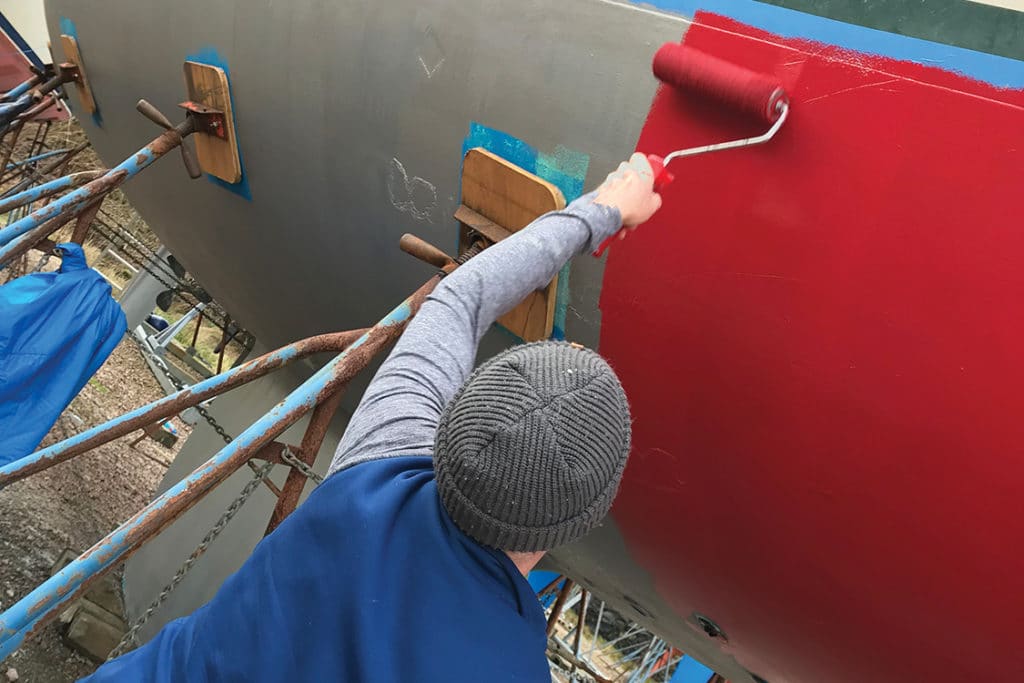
14,70
821,339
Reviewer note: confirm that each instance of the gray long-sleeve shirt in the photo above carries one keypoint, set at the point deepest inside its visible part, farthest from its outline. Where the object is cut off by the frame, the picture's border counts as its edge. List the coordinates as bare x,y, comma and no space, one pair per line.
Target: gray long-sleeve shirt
401,408
341,605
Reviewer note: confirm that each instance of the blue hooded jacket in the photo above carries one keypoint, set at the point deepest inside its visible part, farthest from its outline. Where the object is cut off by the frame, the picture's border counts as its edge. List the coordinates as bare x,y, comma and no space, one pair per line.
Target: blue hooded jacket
56,330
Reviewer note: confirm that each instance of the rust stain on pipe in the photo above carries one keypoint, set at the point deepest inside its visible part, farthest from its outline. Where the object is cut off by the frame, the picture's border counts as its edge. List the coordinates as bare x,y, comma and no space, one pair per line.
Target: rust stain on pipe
151,520
316,430
187,398
556,610
84,221
54,219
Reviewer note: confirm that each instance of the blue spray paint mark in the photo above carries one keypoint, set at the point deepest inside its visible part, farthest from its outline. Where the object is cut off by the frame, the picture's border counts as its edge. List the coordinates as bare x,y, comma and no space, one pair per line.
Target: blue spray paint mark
209,55
1001,72
67,27
564,168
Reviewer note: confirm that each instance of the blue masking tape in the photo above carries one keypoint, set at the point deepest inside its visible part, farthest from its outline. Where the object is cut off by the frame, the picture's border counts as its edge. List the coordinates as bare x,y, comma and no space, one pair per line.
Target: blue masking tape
999,71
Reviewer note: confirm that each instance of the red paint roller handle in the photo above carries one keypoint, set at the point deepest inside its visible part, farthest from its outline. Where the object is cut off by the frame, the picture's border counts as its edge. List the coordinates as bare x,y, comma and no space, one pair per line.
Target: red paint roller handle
662,179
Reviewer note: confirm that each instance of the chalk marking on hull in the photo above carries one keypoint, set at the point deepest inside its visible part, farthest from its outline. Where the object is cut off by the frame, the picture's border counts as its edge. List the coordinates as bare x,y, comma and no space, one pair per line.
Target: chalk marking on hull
416,196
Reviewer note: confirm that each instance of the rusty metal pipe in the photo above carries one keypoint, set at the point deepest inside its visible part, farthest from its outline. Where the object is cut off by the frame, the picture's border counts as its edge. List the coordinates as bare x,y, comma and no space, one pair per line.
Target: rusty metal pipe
38,238
84,221
39,107
67,206
173,404
36,609
34,175
23,234
551,586
424,251
578,640
199,325
18,127
11,111
58,79
556,610
46,189
21,88
316,430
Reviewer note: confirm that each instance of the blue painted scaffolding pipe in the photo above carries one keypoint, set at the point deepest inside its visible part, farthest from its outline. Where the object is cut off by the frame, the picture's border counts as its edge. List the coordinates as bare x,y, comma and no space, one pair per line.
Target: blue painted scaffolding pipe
16,106
173,404
19,236
20,89
46,189
29,160
34,610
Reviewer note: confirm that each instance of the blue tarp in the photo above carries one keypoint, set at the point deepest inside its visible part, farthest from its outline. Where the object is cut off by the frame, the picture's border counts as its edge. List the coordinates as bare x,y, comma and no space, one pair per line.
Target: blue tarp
56,329
691,671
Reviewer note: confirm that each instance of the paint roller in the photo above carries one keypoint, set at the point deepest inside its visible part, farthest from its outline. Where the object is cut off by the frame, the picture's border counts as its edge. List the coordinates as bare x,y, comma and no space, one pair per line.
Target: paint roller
757,95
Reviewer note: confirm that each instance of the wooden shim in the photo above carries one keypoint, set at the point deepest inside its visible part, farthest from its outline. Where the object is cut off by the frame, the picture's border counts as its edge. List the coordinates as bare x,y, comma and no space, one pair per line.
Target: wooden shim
72,54
511,197
208,85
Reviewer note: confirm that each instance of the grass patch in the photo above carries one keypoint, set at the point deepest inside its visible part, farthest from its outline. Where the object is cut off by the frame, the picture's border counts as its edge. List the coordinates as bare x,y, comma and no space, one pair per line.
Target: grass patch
98,386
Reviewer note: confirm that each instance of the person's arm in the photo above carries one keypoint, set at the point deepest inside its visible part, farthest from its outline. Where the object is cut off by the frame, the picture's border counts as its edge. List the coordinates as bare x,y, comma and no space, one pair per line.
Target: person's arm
399,412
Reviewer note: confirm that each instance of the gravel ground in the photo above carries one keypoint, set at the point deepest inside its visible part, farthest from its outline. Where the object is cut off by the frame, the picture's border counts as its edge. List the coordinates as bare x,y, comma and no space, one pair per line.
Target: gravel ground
76,503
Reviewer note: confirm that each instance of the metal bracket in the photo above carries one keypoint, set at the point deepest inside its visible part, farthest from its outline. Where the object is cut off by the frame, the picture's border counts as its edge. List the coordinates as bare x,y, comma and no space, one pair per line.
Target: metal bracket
70,73
477,225
207,119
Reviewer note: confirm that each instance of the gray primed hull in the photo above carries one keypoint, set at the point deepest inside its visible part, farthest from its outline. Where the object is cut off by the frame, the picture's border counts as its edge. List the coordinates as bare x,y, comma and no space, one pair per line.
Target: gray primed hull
351,118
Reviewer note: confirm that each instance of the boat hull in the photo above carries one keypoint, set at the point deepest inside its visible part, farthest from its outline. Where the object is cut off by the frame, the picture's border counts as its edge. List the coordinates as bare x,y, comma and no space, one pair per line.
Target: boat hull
817,339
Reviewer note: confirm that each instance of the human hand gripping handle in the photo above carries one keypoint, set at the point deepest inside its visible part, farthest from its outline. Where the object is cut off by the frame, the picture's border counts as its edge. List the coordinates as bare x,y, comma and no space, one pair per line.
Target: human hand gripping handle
633,189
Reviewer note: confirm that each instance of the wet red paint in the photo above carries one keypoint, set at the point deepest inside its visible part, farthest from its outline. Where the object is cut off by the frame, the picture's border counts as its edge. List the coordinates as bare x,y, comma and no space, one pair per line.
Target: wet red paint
822,341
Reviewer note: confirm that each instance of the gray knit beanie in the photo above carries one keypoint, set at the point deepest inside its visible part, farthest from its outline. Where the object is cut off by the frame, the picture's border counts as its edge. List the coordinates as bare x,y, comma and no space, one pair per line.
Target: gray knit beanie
530,451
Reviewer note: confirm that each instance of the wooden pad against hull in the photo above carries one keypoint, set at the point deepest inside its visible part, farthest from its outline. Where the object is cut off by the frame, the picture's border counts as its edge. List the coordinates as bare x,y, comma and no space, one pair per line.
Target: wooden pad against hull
501,192
208,85
72,54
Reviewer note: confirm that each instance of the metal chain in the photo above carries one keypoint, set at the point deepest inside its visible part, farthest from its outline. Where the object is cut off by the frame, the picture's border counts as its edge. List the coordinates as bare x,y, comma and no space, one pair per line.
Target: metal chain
260,473
159,271
180,386
129,637
213,311
286,454
145,264
166,372
43,260
289,457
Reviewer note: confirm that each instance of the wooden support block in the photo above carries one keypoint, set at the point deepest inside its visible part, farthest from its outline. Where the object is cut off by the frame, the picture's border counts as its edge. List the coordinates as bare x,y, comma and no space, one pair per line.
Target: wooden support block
93,631
503,197
208,85
72,54
93,624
